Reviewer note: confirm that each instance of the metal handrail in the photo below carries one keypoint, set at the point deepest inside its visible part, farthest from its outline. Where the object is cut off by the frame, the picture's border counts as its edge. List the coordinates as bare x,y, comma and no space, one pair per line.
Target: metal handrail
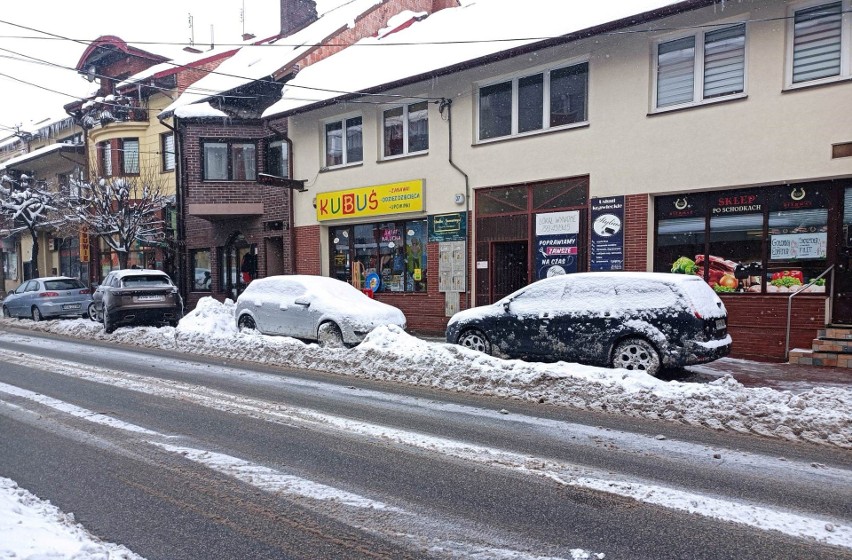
799,291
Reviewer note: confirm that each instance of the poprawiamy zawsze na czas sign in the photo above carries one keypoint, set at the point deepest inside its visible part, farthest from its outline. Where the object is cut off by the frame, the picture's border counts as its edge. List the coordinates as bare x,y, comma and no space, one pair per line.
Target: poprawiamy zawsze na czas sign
378,200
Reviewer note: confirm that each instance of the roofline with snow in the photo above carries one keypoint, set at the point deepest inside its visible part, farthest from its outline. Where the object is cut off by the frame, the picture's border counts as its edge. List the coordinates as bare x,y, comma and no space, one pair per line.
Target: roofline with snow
615,25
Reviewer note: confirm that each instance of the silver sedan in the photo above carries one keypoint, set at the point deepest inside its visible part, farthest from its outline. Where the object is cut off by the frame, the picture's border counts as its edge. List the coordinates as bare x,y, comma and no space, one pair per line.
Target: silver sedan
314,308
45,298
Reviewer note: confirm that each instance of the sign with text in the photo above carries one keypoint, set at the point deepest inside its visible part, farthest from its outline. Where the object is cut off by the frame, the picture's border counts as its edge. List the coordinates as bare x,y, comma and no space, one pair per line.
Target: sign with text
607,236
393,198
798,246
556,243
448,227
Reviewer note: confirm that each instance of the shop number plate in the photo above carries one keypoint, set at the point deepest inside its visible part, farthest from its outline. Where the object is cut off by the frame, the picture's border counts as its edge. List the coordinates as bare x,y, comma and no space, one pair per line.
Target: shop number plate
720,324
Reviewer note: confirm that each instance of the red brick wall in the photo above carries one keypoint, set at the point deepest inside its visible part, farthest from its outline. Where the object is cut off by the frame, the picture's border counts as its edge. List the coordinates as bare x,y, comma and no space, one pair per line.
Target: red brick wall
636,233
306,243
757,324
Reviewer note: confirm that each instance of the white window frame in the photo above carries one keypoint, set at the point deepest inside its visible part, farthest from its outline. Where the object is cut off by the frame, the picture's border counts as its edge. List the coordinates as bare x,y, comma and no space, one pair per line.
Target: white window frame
545,114
845,43
324,139
698,98
405,121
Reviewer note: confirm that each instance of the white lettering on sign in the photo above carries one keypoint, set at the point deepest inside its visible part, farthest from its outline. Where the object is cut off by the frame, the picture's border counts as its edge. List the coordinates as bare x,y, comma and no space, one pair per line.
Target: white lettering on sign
557,223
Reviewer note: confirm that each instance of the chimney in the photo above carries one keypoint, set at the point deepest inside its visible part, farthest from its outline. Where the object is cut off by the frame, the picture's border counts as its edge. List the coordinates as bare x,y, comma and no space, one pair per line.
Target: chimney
296,14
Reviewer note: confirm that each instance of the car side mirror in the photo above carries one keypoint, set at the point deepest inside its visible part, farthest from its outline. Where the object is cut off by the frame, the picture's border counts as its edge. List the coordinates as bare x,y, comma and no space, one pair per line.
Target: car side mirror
506,305
303,301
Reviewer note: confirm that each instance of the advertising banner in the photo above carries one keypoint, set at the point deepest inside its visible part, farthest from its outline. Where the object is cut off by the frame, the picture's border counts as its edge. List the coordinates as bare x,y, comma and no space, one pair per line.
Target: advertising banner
378,200
556,243
607,236
448,227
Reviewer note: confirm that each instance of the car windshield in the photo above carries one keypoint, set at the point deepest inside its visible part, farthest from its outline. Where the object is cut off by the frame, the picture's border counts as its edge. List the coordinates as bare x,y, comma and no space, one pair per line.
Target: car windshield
145,281
64,284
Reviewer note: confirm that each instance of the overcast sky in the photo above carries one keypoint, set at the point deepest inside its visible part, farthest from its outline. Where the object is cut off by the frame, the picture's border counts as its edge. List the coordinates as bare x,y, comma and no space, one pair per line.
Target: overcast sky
81,21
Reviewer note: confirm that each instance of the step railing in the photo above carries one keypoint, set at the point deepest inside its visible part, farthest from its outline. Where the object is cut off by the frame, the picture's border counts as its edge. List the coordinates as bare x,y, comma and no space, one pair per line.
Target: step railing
799,291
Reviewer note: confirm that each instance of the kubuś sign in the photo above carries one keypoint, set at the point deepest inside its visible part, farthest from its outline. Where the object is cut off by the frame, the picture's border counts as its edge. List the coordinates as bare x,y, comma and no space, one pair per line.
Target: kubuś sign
378,200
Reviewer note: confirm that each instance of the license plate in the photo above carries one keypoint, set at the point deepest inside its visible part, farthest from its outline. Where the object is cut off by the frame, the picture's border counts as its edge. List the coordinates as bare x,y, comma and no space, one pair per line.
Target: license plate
71,306
150,298
720,324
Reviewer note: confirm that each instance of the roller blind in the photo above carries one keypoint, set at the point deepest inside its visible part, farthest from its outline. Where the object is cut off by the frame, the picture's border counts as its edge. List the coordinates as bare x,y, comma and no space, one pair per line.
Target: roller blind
816,42
724,61
676,72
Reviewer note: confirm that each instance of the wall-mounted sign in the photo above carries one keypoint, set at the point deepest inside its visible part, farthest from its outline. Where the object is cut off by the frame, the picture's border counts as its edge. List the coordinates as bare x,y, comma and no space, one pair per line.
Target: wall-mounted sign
85,248
556,243
448,227
393,198
607,236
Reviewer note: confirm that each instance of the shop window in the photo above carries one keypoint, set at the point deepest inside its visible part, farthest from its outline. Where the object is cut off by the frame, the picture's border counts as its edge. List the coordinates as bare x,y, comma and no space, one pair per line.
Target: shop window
700,67
542,101
680,242
202,271
385,257
733,240
344,142
797,249
406,129
229,161
278,158
818,37
167,148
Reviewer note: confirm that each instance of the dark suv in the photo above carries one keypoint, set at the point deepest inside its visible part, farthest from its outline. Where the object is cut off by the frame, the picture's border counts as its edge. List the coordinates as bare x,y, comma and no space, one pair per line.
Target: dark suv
137,297
642,321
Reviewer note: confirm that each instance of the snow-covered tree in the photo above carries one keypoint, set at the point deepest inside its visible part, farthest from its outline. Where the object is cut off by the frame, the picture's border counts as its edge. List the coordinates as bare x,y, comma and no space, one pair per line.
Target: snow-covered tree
29,205
120,210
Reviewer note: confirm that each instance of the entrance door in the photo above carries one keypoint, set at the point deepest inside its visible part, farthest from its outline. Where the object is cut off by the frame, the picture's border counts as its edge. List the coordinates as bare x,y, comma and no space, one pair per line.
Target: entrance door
509,267
239,265
842,304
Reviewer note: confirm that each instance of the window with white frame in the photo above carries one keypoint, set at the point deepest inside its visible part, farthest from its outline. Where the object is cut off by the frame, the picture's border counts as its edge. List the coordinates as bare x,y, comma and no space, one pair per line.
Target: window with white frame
820,40
130,156
701,67
229,161
167,147
105,158
542,101
406,129
344,142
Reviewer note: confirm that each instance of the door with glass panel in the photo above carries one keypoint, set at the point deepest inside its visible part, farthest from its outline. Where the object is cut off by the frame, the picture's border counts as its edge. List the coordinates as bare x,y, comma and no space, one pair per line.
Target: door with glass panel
842,302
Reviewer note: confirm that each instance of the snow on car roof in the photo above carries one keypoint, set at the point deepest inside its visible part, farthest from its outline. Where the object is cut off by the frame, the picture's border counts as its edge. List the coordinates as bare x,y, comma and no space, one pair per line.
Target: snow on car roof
333,293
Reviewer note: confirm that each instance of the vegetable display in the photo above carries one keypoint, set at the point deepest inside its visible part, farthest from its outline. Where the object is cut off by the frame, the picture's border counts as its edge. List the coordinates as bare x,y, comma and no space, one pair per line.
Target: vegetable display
797,274
684,265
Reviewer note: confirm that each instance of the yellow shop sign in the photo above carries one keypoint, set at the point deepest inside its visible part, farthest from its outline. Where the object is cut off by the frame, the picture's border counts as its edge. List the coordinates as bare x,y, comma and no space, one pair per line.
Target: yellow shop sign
393,198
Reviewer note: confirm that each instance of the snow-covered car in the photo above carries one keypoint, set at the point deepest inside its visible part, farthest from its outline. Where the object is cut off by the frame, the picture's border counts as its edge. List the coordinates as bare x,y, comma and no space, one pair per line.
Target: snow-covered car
45,298
316,308
639,321
137,297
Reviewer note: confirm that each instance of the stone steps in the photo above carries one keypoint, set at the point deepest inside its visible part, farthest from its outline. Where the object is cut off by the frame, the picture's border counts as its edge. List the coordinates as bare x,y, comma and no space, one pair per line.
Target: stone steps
832,348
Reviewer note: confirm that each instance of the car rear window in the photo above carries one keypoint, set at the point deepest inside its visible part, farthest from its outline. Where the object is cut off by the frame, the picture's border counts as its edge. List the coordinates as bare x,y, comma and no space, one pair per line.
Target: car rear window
703,298
145,281
69,284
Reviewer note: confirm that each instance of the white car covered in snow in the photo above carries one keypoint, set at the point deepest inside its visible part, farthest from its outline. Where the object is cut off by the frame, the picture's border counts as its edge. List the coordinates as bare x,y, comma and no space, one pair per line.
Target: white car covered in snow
315,308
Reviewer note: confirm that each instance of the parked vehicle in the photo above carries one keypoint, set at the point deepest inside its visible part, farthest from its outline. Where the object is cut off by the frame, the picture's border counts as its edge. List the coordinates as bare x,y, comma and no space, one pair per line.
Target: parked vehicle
636,321
137,297
45,298
317,308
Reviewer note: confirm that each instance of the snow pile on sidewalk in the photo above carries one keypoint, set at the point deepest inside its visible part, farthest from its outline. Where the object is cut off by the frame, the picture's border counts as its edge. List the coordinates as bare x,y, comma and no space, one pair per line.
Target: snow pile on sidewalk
35,529
821,415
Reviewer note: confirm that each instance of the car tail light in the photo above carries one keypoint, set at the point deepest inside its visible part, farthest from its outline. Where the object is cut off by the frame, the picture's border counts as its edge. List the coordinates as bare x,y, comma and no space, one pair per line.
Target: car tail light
119,293
48,294
86,291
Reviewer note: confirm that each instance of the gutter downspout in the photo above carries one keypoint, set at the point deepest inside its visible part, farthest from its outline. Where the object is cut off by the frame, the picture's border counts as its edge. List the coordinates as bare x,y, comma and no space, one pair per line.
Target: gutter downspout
180,234
448,105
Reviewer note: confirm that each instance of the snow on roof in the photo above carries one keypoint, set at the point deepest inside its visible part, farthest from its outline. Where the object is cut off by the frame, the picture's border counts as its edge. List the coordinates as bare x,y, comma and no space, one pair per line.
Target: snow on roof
199,110
258,62
449,37
35,154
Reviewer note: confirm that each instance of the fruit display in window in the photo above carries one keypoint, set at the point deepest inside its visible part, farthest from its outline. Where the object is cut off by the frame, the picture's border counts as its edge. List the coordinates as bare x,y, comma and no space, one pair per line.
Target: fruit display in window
728,281
785,281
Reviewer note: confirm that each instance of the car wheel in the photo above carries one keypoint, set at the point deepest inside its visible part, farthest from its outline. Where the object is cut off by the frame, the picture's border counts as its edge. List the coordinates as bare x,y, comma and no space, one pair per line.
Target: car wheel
92,312
246,322
36,314
108,326
475,339
636,354
329,336
6,312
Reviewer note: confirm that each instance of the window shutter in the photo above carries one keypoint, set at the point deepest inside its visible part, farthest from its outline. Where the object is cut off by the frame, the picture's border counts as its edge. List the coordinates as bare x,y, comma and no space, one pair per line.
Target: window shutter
724,61
676,72
816,42
169,152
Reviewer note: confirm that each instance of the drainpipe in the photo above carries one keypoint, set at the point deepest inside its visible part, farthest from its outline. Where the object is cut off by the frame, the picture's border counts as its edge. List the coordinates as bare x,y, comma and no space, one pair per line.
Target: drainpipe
448,105
180,233
292,197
